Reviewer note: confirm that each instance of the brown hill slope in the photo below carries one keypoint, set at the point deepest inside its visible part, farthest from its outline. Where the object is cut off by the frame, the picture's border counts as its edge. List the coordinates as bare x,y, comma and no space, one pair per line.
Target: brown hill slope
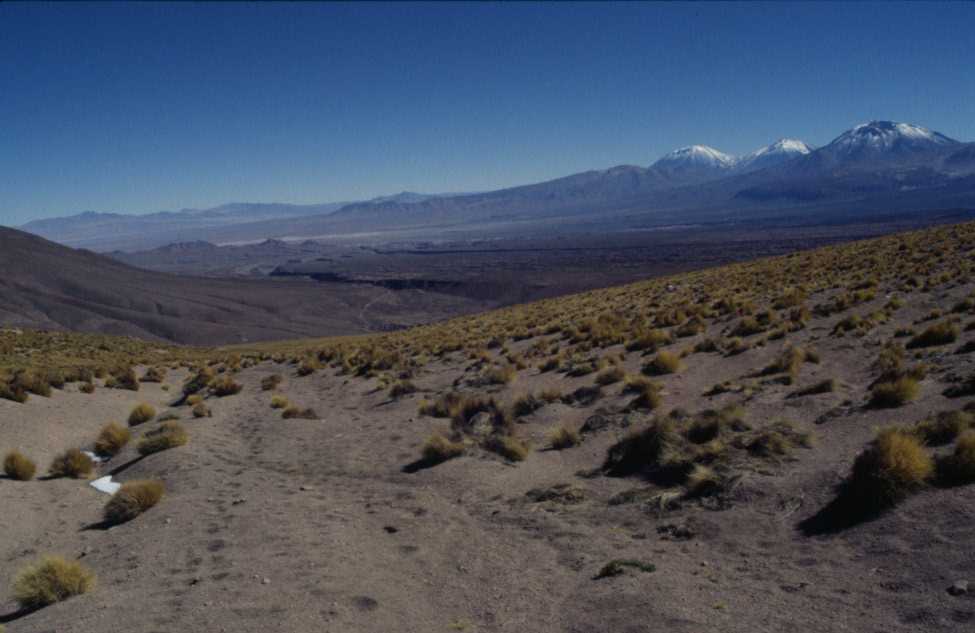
47,286
675,455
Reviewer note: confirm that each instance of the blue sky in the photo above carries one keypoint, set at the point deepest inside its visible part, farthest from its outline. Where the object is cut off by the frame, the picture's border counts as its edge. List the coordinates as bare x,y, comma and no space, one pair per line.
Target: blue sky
144,107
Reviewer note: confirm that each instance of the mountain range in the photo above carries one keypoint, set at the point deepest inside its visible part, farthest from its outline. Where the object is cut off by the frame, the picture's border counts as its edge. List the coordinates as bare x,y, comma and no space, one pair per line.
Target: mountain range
879,167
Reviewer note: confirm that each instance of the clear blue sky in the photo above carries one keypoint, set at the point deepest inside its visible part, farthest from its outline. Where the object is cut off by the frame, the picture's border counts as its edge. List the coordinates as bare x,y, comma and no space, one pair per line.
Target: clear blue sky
143,107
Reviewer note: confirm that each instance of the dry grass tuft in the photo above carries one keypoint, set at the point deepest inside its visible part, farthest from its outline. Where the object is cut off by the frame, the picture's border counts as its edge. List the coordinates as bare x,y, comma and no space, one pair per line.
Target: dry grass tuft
507,446
270,383
297,413
610,376
17,466
52,579
141,414
225,386
401,388
563,437
71,463
663,363
168,435
201,410
892,467
279,402
938,334
132,499
439,449
899,392
111,439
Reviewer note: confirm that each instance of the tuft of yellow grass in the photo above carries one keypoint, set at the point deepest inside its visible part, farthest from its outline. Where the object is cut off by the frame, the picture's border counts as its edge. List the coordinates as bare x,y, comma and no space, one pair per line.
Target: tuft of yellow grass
439,449
563,437
50,580
893,466
663,363
111,439
132,499
141,414
17,466
72,463
894,393
168,435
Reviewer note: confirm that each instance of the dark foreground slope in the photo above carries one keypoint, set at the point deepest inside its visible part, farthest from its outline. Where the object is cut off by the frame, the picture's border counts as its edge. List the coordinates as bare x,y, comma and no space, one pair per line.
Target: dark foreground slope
48,286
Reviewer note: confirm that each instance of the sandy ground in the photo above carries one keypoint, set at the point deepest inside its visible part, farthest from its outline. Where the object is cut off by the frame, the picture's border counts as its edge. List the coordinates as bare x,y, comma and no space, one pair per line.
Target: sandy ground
312,525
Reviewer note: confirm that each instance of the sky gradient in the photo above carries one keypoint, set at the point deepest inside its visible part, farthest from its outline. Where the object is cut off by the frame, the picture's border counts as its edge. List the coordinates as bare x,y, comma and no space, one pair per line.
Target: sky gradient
140,107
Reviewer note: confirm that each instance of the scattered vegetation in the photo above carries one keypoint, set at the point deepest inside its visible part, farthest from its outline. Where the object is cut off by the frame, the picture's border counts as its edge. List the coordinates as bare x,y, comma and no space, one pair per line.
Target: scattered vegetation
892,467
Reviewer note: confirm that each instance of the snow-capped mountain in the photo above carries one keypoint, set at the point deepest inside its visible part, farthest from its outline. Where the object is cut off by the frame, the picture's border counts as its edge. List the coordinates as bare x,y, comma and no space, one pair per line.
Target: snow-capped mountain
780,151
879,139
696,157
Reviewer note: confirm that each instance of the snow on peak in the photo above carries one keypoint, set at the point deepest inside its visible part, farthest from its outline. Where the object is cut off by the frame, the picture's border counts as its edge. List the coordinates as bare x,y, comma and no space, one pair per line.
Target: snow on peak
880,136
781,146
697,156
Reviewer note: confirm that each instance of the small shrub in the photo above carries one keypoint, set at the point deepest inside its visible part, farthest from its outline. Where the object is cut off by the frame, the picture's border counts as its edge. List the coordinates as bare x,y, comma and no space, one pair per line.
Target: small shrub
401,388
656,451
894,394
29,381
52,579
563,437
225,386
507,446
194,400
154,374
198,382
201,410
17,466
444,407
439,449
168,435
964,388
71,463
132,499
526,405
703,482
550,394
141,414
270,383
279,402
824,386
500,375
938,334
943,428
663,363
126,379
87,387
610,376
112,439
891,468
618,567
297,413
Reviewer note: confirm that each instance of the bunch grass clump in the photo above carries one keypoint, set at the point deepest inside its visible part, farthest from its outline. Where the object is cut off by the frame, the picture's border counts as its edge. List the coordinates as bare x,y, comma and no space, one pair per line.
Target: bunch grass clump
168,435
562,437
111,439
439,449
663,363
141,414
132,499
72,463
507,446
893,466
225,386
895,393
50,580
18,466
941,333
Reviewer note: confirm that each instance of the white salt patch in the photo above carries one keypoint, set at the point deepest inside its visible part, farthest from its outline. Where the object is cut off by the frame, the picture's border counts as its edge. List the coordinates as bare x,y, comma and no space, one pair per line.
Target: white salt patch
106,485
95,458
